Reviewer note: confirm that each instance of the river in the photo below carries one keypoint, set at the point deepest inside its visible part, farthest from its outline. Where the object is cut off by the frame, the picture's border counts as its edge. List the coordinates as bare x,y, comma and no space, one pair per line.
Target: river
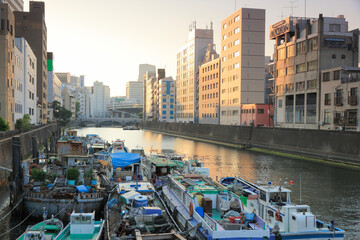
332,191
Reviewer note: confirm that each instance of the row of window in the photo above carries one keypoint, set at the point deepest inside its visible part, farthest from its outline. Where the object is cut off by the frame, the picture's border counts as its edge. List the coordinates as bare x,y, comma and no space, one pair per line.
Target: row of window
210,67
209,105
209,115
209,96
210,77
259,111
171,112
237,18
236,30
210,86
171,106
230,113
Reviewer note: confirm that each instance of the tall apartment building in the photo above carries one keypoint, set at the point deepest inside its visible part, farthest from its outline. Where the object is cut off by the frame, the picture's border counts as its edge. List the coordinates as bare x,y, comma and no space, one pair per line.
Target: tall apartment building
242,66
209,88
31,25
69,99
134,91
7,62
64,77
25,81
166,100
54,83
149,105
15,5
189,58
99,100
304,48
143,68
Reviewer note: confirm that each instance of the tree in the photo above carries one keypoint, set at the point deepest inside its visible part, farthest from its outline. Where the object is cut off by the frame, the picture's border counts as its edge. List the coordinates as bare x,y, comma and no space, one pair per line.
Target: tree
61,114
24,123
77,109
4,126
140,115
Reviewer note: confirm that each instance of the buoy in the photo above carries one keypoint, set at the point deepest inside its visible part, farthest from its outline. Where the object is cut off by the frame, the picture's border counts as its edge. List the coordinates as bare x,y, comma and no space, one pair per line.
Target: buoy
191,209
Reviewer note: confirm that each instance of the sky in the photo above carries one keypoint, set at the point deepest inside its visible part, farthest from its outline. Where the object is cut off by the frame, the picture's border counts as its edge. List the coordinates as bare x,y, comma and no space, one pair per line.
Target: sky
107,40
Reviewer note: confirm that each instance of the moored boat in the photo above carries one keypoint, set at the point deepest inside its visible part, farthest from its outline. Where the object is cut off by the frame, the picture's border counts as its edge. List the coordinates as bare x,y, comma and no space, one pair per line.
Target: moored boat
286,219
45,230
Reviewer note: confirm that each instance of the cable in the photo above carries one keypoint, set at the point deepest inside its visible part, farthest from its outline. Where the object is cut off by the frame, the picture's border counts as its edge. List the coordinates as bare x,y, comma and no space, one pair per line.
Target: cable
12,208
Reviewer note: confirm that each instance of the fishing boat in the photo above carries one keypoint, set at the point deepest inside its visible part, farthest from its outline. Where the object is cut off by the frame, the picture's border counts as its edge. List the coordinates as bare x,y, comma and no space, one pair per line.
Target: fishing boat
118,146
208,210
82,226
45,230
286,219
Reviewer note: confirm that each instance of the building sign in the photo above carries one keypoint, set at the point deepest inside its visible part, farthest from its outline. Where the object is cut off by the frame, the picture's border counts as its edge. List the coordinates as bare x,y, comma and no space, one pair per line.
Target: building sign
281,28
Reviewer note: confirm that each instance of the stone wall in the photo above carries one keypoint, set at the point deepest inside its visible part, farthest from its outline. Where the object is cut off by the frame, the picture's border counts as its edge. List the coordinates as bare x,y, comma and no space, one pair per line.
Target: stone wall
317,143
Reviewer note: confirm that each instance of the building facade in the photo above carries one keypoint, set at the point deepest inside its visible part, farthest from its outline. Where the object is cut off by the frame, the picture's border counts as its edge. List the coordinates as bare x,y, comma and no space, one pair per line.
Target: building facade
54,83
64,77
166,100
143,68
134,91
25,81
7,62
340,99
31,25
258,115
99,100
149,105
15,5
189,58
242,62
305,47
209,88
69,99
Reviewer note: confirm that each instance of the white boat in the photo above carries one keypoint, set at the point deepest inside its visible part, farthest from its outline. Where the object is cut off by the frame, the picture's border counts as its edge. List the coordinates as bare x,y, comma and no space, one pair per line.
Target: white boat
286,219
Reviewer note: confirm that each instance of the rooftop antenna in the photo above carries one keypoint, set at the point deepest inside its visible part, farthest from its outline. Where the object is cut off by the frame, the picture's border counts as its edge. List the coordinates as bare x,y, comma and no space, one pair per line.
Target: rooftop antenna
305,9
292,7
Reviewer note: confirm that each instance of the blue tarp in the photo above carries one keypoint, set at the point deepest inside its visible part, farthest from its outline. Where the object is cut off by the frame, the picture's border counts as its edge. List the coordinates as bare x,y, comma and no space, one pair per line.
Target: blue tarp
122,160
82,188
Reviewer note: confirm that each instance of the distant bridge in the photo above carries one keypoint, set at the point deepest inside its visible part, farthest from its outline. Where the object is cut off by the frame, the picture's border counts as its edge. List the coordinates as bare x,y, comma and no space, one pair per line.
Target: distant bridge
102,121
121,110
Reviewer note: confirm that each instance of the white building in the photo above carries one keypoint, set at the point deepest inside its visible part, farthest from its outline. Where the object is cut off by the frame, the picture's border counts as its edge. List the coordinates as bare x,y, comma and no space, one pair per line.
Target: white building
143,68
189,58
166,101
99,100
25,83
134,91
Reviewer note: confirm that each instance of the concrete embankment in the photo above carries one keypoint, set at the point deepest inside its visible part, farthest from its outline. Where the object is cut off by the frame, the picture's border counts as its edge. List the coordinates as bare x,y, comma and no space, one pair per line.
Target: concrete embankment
42,135
328,145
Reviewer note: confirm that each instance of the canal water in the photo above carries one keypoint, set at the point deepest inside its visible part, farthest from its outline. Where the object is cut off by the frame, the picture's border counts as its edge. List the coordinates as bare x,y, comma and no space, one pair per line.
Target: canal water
332,191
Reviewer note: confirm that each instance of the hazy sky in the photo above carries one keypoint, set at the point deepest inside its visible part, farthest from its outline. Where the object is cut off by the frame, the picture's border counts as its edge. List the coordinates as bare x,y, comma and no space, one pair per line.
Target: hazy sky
107,40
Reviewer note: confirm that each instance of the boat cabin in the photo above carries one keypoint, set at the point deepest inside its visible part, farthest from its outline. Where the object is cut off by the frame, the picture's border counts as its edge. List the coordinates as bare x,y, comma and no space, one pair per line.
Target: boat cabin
196,166
34,235
162,166
82,223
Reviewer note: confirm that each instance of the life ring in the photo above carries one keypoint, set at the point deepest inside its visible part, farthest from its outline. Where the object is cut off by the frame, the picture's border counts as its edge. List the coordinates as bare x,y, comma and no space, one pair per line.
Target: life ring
191,209
33,165
277,215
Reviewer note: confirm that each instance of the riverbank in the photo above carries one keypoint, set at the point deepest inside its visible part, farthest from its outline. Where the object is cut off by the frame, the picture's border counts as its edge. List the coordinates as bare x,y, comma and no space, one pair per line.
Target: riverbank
338,148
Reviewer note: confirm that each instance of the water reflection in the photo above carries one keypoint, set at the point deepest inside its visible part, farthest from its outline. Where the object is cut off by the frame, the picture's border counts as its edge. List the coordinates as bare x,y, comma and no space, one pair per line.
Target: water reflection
331,191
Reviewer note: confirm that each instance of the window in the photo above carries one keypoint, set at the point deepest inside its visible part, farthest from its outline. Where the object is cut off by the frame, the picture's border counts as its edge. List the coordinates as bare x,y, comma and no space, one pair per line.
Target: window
164,106
327,116
260,111
312,65
164,112
224,26
236,42
281,72
311,84
164,99
235,112
300,47
290,70
300,68
224,59
326,76
327,100
236,65
236,30
237,18
281,53
224,37
224,47
236,54
337,75
313,44
300,86
290,51
334,27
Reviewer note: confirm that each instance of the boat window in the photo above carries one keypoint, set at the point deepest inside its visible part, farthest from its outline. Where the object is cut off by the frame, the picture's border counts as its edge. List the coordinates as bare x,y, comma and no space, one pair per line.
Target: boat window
263,195
278,197
301,210
294,218
271,213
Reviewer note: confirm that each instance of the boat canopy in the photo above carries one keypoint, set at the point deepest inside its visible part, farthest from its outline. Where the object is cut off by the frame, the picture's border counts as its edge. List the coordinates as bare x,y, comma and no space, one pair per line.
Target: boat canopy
121,159
162,162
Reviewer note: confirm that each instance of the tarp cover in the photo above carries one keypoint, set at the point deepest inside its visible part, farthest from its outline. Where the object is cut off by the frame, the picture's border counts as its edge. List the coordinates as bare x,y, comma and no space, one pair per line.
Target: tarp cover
122,160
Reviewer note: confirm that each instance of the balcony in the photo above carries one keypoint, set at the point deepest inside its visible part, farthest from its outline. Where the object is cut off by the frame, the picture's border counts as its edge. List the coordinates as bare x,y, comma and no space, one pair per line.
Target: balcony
351,121
338,101
352,100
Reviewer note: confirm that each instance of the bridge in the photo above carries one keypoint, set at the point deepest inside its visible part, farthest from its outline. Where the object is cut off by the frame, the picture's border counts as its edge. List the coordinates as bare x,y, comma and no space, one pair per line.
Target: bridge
106,121
124,110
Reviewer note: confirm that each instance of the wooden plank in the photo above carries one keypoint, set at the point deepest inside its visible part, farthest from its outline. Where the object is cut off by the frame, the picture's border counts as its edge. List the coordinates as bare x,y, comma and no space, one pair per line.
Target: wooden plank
138,234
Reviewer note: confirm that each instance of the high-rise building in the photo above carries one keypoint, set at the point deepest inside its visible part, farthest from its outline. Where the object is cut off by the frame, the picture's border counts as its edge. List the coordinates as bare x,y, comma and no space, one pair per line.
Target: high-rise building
149,105
304,48
242,66
64,77
54,83
134,91
31,25
209,88
25,81
189,58
7,62
166,100
99,100
143,68
75,80
15,5
69,99
82,80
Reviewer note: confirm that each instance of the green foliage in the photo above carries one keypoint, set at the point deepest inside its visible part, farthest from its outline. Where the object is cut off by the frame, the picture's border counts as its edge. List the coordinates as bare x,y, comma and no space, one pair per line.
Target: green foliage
88,173
140,114
73,174
52,176
38,175
24,123
4,126
61,114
